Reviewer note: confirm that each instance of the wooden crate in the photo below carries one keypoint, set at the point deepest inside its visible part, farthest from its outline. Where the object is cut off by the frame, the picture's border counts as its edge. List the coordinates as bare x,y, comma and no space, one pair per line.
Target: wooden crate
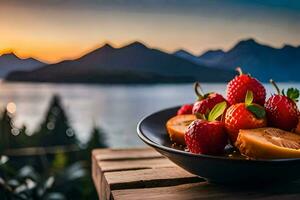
144,174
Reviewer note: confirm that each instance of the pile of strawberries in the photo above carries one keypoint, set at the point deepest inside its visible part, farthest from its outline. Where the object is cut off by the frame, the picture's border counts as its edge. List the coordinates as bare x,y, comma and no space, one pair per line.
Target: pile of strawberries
219,119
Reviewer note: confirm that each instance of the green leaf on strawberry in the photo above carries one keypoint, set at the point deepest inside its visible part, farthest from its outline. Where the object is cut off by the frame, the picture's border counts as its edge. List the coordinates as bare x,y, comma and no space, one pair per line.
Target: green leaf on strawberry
293,93
257,110
249,97
217,111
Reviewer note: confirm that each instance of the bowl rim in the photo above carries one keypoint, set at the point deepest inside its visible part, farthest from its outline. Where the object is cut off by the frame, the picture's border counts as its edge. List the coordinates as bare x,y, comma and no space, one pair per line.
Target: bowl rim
155,145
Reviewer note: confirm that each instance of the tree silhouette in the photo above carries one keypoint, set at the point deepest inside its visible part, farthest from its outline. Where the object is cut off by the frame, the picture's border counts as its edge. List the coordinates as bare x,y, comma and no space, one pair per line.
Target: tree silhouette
8,132
55,129
23,140
97,139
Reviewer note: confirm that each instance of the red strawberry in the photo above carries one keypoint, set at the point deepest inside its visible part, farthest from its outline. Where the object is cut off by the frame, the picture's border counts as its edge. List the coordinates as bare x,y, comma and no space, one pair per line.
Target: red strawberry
207,136
237,88
246,115
205,101
185,109
282,111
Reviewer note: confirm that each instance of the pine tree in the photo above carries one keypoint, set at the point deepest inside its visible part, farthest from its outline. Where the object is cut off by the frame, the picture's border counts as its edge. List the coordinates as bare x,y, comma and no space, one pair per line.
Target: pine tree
23,140
55,129
97,139
7,131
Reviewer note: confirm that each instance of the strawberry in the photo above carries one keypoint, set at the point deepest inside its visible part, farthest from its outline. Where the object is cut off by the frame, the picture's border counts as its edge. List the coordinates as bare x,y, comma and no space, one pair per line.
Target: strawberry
238,87
205,101
246,115
282,111
207,136
185,109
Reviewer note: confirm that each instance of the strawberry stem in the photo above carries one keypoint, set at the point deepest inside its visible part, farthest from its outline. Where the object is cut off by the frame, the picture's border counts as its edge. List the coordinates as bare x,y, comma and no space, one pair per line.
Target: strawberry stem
275,85
239,70
198,91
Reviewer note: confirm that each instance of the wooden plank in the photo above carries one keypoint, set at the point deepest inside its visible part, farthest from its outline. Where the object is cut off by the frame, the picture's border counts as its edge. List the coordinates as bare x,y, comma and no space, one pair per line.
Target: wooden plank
122,165
144,178
204,190
144,174
96,175
125,154
115,155
139,174
148,178
114,160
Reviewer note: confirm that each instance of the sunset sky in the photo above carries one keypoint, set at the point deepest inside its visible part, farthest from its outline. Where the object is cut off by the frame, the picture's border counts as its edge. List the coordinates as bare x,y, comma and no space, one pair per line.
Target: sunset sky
53,30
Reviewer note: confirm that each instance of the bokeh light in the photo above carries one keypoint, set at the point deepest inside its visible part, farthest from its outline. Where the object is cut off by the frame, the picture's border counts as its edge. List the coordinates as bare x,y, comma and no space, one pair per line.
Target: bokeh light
11,107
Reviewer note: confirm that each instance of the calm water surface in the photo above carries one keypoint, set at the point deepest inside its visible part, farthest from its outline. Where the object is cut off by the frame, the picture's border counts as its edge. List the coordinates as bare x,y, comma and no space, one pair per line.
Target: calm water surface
116,109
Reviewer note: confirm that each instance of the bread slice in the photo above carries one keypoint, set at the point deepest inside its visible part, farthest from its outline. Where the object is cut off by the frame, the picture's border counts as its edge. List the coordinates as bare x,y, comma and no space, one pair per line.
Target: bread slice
268,143
176,127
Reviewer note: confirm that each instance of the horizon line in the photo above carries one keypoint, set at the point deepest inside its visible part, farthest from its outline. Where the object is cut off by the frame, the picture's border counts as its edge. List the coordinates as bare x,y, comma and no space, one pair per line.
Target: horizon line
100,45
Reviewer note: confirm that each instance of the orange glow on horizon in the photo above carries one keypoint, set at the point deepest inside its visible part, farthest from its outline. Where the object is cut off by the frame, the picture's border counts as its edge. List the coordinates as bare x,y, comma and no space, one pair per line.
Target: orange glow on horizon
49,54
60,52
6,51
54,52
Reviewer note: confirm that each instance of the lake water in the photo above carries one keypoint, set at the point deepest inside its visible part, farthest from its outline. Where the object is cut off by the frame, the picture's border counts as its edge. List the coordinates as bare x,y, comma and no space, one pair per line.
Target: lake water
115,108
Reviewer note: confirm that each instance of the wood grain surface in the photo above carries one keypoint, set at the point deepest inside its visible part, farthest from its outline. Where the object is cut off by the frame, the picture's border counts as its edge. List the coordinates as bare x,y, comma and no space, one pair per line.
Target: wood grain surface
144,174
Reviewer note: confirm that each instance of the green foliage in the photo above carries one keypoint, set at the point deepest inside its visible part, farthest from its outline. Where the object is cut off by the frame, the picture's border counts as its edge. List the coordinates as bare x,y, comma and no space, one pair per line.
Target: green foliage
97,139
23,140
60,161
6,127
55,129
61,174
27,183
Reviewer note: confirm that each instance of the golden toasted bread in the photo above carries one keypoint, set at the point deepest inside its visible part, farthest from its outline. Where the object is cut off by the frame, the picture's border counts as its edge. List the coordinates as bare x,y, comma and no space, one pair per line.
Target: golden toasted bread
176,127
268,143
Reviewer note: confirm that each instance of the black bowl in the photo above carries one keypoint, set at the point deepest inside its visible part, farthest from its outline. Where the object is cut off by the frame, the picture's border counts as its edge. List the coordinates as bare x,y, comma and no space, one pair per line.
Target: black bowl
217,169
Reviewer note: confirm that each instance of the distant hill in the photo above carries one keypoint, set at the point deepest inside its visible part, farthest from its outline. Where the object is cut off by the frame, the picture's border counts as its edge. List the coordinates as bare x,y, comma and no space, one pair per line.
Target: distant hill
10,62
188,56
261,61
134,63
211,57
205,59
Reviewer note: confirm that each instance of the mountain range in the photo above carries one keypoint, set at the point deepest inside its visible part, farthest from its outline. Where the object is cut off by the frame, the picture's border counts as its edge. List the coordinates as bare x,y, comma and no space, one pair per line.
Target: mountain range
137,63
133,63
261,61
10,62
